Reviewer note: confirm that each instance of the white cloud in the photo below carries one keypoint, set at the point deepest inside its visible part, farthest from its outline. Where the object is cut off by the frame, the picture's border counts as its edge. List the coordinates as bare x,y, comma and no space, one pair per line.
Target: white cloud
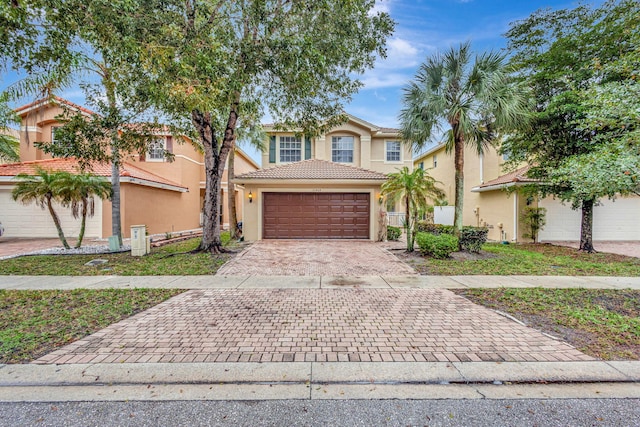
383,78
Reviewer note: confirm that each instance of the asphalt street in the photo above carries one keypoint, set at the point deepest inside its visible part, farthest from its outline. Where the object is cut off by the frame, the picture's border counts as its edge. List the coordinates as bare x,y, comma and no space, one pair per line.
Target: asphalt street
532,412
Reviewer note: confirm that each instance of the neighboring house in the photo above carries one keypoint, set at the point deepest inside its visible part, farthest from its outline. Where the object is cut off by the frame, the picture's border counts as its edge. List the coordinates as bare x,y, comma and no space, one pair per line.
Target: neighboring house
487,203
165,196
323,187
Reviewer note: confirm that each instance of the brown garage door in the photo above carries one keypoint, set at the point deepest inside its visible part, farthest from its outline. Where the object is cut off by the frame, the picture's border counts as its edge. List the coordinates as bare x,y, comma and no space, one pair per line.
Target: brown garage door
315,216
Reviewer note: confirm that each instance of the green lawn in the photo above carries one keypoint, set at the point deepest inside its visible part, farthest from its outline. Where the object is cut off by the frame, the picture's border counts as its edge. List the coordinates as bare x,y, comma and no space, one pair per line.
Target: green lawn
603,323
166,260
34,323
530,259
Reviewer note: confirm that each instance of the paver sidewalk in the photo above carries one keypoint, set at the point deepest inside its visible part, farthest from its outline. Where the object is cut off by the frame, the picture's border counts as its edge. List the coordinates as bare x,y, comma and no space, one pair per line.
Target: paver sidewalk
315,325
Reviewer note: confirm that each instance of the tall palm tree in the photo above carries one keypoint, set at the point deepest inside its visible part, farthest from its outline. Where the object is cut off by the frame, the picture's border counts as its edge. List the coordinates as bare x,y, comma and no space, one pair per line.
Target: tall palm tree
476,100
79,192
40,188
414,189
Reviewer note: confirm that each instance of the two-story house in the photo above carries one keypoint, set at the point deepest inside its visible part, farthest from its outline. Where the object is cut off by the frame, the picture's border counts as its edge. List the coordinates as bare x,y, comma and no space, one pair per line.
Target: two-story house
488,203
323,187
167,197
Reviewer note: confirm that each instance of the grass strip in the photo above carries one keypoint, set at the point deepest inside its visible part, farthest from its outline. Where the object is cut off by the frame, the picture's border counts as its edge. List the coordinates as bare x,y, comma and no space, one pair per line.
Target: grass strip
603,323
34,323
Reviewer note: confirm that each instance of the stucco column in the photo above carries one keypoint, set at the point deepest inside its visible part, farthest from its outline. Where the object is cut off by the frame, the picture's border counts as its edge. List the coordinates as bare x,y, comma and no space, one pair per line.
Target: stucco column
365,151
320,148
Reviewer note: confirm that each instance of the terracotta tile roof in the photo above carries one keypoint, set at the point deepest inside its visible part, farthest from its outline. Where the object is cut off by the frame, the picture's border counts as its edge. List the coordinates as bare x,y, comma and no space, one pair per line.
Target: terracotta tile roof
54,100
127,170
519,175
389,130
314,169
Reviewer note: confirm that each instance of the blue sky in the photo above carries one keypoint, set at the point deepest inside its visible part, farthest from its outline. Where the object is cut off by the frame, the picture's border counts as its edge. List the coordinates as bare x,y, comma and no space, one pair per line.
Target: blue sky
423,27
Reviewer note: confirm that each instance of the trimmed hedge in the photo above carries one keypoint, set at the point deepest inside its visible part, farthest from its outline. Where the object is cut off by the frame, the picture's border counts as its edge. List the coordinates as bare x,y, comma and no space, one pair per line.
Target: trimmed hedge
472,238
437,246
393,233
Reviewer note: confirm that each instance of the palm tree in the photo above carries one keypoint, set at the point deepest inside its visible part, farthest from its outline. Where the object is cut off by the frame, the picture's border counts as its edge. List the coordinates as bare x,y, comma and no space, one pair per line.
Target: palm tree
9,148
9,145
78,191
42,189
475,100
414,189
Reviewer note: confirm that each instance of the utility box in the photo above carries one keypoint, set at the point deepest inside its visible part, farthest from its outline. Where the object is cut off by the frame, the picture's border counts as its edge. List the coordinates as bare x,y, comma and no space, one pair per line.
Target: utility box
139,240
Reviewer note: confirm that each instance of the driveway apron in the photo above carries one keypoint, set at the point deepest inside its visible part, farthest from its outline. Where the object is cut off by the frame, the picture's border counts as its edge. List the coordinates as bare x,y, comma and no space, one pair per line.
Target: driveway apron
315,258
343,325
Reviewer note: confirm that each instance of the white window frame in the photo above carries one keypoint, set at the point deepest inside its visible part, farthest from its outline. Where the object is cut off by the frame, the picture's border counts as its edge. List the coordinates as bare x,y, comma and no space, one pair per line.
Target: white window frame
387,152
53,134
286,145
435,161
338,144
155,155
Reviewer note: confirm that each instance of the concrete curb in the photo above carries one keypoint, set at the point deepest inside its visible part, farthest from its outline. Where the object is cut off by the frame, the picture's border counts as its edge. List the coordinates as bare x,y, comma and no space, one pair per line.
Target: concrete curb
312,380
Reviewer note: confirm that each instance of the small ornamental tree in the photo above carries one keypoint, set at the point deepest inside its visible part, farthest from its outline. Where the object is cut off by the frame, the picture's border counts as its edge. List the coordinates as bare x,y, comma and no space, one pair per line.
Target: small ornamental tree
41,189
534,220
414,189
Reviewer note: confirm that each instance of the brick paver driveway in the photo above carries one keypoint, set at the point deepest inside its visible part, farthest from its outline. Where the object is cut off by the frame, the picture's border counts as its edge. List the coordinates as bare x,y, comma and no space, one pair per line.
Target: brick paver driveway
315,258
257,325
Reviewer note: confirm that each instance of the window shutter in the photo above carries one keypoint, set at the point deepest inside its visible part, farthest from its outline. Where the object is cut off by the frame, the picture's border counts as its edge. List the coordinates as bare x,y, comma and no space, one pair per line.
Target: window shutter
307,148
272,149
169,144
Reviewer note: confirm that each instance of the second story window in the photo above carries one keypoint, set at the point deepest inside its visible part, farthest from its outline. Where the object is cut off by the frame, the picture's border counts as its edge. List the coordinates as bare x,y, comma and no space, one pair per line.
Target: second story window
290,149
393,151
156,151
435,161
53,134
342,149
421,165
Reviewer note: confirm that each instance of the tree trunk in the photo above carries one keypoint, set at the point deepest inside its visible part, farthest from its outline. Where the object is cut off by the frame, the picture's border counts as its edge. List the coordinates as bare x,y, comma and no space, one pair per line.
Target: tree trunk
116,220
214,162
231,193
56,221
83,222
586,229
459,166
407,220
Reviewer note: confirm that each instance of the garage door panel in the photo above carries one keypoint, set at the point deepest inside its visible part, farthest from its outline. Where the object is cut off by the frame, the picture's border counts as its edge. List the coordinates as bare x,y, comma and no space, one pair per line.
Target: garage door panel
612,220
316,215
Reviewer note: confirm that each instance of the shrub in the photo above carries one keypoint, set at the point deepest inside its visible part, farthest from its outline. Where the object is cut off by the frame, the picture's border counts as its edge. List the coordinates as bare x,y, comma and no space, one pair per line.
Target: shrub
393,233
437,246
534,220
472,238
427,227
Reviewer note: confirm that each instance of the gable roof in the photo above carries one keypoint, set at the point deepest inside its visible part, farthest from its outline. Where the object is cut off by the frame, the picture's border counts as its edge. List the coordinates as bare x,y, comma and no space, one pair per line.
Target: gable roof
507,180
313,169
374,129
52,100
128,172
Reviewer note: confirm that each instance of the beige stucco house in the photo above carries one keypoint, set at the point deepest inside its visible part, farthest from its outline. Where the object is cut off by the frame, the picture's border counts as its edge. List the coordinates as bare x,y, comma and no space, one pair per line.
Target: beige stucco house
488,203
167,197
323,187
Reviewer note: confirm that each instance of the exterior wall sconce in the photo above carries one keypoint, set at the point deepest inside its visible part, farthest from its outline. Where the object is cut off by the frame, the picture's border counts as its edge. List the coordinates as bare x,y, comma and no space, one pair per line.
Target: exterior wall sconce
250,197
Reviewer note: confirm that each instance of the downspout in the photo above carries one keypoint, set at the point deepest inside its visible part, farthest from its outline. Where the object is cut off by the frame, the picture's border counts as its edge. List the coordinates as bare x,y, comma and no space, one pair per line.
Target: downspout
481,168
515,217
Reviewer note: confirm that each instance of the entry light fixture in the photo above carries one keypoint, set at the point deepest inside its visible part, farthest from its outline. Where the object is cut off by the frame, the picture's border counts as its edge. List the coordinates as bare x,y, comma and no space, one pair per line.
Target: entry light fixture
250,197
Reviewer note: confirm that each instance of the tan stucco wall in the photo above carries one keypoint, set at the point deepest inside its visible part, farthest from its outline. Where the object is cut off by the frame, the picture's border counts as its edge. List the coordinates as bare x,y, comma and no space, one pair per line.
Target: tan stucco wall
160,210
252,223
492,207
368,148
